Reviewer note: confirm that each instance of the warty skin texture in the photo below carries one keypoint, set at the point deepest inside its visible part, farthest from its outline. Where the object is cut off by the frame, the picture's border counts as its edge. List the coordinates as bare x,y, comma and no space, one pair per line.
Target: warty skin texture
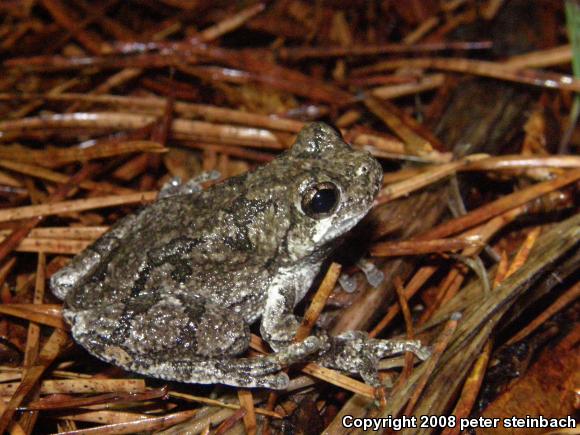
170,291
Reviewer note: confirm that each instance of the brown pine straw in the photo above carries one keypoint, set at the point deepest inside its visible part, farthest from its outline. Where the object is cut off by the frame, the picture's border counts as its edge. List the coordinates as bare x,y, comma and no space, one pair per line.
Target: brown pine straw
318,302
542,58
181,128
502,269
338,379
425,178
6,268
230,23
155,105
487,163
51,246
8,373
247,404
409,356
28,420
41,210
426,83
44,314
421,30
415,143
518,161
420,277
474,380
100,399
230,422
213,402
132,168
65,18
296,53
55,156
419,247
484,232
56,344
488,230
438,349
524,251
382,145
9,180
471,388
81,386
455,277
75,233
49,175
231,150
60,193
495,70
501,205
101,417
125,75
567,297
415,179
139,425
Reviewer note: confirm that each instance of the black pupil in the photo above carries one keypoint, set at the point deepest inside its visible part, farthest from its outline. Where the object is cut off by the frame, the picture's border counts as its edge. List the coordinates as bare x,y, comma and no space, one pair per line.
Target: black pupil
323,201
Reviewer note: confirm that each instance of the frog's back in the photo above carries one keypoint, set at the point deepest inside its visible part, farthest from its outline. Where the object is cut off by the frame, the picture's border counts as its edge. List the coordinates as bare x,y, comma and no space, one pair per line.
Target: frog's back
195,244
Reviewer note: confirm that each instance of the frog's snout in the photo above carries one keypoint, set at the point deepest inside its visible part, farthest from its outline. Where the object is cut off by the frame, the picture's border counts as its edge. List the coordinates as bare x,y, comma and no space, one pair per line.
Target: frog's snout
372,170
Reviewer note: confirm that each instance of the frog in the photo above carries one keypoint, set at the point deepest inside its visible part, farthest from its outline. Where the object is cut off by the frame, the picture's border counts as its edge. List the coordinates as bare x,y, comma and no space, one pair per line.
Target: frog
172,290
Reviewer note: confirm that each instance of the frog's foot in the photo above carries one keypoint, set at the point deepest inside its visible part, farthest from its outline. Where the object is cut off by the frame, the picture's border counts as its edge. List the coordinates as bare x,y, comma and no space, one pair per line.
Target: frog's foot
355,352
373,274
280,333
299,352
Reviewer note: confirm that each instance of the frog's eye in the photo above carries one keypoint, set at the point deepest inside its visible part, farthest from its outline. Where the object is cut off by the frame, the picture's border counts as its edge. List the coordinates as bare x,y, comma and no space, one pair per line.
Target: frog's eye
320,200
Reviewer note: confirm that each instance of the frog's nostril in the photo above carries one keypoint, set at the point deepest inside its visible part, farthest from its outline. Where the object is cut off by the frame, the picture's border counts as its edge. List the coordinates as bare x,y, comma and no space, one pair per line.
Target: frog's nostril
362,170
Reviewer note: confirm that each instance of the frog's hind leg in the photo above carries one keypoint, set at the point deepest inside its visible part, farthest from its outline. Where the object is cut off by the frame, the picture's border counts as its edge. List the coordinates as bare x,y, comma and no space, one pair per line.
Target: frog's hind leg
85,263
182,338
262,372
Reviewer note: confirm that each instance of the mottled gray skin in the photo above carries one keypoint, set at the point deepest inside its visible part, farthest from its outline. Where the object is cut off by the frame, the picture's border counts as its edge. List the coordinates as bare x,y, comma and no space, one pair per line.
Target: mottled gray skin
170,292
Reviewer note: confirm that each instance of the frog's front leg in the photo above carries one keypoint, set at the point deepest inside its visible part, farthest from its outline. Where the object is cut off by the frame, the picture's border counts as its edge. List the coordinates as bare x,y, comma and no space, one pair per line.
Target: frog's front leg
351,352
279,325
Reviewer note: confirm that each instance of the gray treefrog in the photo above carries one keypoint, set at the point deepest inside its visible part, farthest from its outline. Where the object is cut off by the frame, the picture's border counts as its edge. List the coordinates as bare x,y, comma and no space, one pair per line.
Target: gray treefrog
171,291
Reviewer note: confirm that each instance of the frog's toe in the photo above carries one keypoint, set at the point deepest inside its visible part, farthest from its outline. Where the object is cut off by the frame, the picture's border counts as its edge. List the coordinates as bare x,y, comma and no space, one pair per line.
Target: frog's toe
367,369
385,348
423,353
299,352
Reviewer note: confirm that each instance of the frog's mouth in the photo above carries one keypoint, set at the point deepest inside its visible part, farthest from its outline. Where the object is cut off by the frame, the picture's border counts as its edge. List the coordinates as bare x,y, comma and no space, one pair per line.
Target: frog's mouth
326,230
